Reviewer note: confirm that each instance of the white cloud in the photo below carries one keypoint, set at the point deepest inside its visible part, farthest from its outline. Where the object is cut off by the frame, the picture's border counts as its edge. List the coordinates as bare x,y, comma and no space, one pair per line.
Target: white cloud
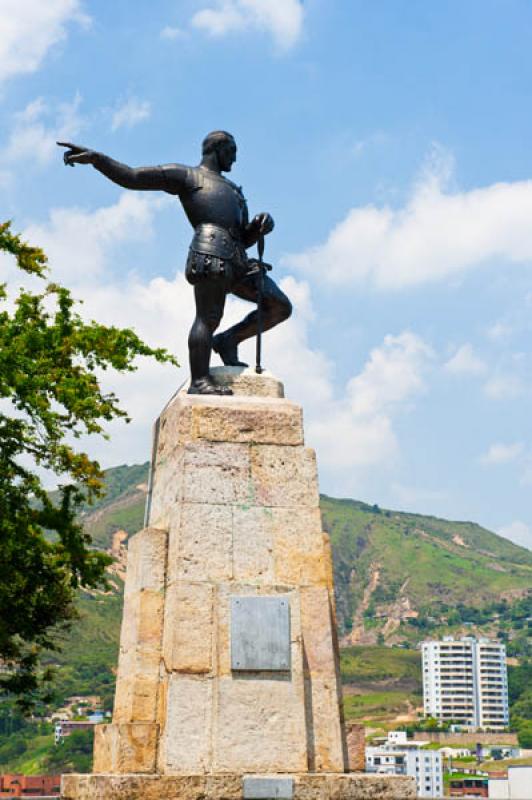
518,532
283,19
79,243
499,331
500,453
36,129
503,387
130,113
29,28
436,235
170,32
465,362
357,431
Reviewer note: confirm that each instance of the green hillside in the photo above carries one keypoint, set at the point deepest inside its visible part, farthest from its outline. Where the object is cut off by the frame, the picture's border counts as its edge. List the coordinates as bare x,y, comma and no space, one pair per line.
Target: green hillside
400,577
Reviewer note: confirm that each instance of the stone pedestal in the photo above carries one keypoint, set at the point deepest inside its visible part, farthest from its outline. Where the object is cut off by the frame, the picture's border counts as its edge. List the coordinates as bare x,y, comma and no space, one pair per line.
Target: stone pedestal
228,667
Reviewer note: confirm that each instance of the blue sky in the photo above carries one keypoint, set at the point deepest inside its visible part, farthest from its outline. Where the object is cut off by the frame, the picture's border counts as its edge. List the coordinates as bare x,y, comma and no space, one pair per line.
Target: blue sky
390,140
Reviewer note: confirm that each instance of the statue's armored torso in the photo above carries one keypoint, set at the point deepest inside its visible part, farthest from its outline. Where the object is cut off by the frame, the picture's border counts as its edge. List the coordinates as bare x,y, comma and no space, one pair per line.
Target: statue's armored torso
210,198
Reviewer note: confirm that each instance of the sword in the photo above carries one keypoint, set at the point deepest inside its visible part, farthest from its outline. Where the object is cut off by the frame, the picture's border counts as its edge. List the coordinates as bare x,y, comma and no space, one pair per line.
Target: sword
260,292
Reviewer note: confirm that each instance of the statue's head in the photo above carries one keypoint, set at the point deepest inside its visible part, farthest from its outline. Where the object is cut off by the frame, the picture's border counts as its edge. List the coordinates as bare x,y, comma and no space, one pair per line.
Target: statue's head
224,145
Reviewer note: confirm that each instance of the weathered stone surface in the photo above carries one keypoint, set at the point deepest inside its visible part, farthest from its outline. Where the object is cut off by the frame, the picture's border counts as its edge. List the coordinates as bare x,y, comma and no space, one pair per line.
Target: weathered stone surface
229,787
284,476
136,698
253,533
139,657
216,472
188,630
167,484
201,543
186,737
356,746
327,748
300,556
142,620
129,747
267,420
260,725
358,786
146,560
316,625
326,745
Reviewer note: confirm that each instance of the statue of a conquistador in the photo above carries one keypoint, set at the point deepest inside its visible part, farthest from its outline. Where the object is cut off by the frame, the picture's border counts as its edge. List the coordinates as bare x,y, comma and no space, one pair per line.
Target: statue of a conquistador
217,261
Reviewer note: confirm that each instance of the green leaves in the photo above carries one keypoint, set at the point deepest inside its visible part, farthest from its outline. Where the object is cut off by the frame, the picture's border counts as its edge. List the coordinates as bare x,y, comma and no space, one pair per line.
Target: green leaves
49,363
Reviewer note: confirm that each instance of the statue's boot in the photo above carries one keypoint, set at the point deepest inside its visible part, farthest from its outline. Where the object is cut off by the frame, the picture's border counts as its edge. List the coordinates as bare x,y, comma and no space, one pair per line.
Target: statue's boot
207,386
227,348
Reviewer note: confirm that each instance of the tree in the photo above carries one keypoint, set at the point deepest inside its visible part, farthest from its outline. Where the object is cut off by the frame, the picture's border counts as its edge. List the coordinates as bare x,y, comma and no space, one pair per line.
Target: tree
73,754
50,395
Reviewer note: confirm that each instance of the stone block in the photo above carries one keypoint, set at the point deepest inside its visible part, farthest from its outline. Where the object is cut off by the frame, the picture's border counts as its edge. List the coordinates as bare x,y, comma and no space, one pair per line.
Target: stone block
326,744
142,619
146,563
216,472
299,554
240,419
253,545
188,631
356,746
125,747
229,787
316,627
186,737
284,476
370,787
201,543
167,485
260,725
136,698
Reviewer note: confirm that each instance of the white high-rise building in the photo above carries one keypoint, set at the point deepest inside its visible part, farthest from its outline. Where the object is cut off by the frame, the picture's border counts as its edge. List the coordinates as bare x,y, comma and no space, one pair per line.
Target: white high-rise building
465,681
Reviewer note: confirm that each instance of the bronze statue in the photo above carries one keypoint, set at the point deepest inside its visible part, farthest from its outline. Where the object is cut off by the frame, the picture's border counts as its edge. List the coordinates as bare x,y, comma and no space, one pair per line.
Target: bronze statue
217,261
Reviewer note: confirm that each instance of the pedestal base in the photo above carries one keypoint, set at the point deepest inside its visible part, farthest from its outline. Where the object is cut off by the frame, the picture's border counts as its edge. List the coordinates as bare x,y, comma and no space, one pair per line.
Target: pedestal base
308,786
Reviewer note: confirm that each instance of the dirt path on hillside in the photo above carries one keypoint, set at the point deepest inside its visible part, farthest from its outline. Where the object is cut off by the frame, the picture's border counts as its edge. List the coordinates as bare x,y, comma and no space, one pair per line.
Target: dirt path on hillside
356,635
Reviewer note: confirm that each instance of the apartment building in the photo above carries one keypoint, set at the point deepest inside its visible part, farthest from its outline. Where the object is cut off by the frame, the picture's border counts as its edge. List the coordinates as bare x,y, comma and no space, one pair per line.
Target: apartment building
465,681
402,756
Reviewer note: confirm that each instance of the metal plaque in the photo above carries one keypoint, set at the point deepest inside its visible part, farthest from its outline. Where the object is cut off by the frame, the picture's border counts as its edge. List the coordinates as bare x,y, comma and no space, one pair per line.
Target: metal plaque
268,788
260,633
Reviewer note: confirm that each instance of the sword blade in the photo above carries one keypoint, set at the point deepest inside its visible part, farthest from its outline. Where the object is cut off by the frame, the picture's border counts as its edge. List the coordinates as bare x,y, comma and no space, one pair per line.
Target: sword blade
260,289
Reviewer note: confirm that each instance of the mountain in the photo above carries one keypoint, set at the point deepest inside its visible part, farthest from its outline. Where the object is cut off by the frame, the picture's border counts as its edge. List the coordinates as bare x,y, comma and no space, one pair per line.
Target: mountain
400,577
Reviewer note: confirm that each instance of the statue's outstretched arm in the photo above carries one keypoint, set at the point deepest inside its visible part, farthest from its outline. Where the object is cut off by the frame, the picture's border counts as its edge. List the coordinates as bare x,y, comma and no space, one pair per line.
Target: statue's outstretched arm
170,178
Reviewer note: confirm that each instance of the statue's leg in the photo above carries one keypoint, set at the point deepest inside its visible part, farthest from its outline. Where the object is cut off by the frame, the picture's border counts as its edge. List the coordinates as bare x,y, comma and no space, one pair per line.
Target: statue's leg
209,293
276,307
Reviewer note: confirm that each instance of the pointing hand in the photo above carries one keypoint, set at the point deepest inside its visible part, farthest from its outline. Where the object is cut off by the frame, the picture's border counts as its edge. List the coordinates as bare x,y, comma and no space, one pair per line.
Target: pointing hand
77,154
